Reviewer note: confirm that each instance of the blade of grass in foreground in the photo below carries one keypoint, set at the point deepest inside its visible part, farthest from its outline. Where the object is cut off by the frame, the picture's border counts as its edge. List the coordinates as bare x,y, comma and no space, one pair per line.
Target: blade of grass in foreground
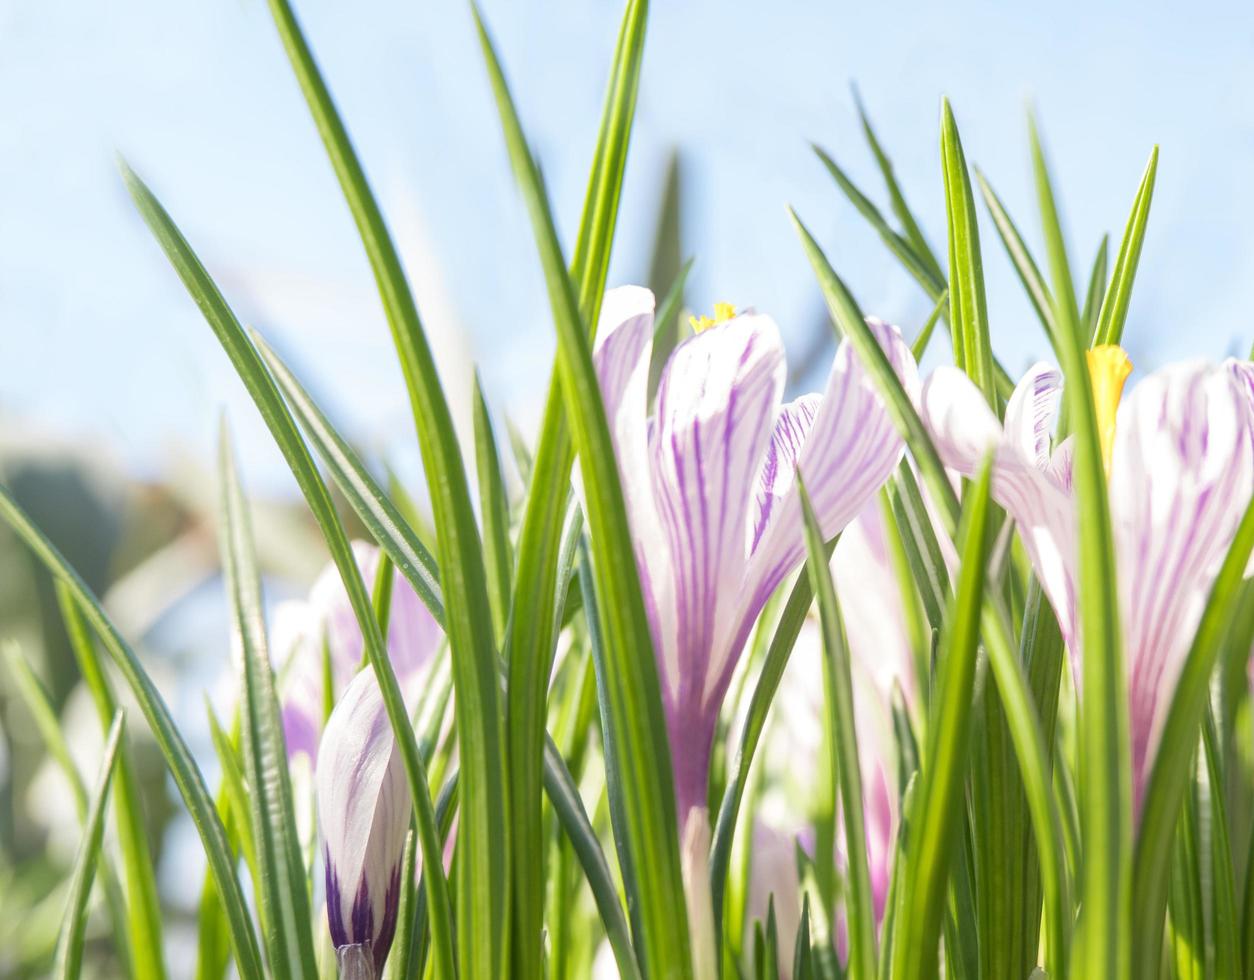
538,591
1055,242
940,787
494,509
187,776
261,388
68,961
632,688
281,870
483,829
859,903
144,922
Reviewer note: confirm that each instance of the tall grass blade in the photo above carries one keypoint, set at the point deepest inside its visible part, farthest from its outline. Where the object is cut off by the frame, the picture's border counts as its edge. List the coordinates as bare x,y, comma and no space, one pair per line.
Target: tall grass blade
281,870
252,371
1096,293
634,699
483,900
859,902
1068,310
68,960
939,793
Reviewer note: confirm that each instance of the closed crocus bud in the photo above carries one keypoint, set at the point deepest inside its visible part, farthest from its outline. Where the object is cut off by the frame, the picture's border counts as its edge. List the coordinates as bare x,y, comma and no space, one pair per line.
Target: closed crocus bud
363,813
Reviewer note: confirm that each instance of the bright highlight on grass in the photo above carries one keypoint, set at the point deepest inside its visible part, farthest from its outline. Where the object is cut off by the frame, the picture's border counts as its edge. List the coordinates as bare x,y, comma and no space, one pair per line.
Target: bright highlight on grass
923,674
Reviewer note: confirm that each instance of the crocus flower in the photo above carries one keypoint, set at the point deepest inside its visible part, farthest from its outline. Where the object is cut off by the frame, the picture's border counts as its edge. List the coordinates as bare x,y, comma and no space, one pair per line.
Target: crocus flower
709,479
363,814
1180,473
303,627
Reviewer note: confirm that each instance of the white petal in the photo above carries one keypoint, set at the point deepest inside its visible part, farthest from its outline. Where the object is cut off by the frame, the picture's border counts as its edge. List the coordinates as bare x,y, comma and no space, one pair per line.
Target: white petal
962,426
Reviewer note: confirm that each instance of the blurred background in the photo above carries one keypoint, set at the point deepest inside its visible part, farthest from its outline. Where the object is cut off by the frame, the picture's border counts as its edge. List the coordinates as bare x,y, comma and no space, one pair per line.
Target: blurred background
111,386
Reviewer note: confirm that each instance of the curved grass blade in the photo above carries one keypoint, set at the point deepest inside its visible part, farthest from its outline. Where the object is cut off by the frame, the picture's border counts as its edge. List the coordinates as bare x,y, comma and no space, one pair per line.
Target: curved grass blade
1169,774
498,555
785,636
144,919
1223,903
1020,257
634,699
922,268
859,904
234,791
382,518
187,776
281,871
261,388
895,195
1114,312
563,794
483,896
968,307
68,961
940,780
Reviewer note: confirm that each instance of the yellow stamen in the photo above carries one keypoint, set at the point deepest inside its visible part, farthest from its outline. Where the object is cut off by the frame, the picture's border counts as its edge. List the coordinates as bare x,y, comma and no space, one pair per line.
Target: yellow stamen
1109,368
722,313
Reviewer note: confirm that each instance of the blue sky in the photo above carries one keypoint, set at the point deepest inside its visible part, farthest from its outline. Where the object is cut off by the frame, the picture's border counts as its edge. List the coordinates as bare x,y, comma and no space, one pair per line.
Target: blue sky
99,343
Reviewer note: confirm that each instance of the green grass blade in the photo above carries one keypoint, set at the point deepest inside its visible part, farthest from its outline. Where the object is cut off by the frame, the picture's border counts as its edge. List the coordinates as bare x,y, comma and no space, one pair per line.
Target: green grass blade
1114,311
777,654
1220,858
235,791
851,324
1055,242
939,794
68,961
1169,774
967,304
187,776
281,882
634,699
144,919
859,903
261,387
494,510
369,501
919,347
914,234
563,794
921,267
538,592
668,331
1097,289
1020,257
483,898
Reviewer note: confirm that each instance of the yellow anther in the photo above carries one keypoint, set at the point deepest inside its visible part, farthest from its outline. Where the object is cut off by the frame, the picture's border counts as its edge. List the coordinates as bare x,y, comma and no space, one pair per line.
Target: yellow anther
722,313
1109,368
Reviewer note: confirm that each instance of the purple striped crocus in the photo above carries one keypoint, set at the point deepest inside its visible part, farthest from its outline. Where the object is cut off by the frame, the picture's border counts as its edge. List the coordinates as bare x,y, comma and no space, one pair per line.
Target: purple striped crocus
363,816
1180,469
709,478
326,617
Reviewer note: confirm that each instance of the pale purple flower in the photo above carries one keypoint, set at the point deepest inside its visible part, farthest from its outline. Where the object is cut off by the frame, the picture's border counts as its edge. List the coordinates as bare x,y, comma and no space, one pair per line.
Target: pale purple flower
1181,471
302,627
363,814
710,486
